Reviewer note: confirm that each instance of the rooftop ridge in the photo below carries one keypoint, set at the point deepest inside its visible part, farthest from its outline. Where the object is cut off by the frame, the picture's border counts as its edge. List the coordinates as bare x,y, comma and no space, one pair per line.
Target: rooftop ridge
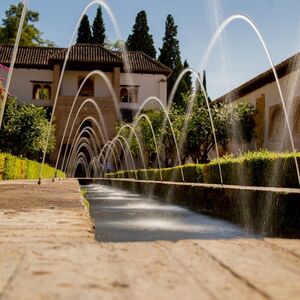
283,68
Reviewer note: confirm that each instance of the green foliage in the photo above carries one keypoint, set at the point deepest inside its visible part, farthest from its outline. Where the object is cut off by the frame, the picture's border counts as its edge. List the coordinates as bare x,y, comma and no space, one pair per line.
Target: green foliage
170,56
255,168
24,130
30,36
170,52
197,140
114,46
2,165
12,167
235,122
98,28
192,173
141,39
262,168
84,34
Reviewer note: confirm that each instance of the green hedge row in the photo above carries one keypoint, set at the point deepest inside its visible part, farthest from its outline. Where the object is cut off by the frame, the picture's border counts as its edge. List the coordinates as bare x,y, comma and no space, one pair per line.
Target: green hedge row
12,167
262,168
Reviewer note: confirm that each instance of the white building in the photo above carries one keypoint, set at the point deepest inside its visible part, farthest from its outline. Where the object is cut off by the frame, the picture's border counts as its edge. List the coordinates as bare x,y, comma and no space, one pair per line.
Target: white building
38,69
262,91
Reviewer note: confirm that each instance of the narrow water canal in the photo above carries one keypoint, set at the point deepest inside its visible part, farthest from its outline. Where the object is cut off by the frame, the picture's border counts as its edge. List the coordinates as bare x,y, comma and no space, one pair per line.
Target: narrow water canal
122,216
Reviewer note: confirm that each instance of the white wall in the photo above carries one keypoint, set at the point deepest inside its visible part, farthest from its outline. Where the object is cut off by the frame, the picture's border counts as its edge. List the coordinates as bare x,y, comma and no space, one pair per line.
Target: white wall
21,83
70,84
291,89
149,85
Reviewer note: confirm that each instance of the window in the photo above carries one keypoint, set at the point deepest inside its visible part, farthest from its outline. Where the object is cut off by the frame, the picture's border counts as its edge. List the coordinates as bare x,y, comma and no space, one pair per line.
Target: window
88,87
129,94
125,97
41,91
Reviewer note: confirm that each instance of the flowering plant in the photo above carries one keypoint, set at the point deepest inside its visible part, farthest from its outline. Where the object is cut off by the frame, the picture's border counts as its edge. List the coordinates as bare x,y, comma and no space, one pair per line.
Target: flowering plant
4,68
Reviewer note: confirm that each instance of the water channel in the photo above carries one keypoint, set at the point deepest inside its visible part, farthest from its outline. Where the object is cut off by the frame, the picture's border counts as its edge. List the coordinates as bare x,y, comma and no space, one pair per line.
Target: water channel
122,216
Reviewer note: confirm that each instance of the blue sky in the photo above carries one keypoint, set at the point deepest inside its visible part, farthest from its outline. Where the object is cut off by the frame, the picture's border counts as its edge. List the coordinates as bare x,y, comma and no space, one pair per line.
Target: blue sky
238,56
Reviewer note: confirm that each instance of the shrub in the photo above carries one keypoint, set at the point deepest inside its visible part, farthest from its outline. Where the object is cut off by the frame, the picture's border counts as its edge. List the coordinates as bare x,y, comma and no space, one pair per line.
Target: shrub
262,168
12,167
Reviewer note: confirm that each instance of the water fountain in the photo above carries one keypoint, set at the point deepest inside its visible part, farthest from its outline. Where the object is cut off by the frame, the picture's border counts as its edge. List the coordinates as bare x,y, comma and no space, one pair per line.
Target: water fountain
96,163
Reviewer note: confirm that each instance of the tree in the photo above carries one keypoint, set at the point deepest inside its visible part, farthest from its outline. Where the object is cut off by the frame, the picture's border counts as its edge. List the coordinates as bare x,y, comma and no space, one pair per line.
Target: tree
140,39
30,36
199,135
98,28
188,77
170,56
84,35
24,130
118,45
197,141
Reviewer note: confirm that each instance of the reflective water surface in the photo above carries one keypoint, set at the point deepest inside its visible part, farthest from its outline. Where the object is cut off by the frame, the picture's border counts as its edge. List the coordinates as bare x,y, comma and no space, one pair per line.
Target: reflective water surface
122,216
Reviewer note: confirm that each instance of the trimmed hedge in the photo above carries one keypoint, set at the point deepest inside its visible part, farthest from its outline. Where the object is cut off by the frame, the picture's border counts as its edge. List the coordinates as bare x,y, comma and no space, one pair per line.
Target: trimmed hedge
191,172
262,168
12,167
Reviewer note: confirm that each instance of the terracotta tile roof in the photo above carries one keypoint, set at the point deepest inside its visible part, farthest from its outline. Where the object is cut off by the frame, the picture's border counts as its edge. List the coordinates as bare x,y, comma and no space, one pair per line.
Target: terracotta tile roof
282,69
28,56
44,57
88,53
139,62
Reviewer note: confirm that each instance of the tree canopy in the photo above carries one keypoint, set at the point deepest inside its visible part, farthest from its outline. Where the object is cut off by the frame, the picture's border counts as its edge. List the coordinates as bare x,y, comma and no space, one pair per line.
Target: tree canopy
30,36
24,130
98,28
197,141
141,39
171,57
84,35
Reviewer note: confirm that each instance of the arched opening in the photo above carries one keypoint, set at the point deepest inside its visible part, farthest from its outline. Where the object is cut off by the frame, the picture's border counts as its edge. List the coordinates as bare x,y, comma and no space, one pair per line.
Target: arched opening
37,92
80,171
297,119
124,95
276,122
88,87
41,91
46,92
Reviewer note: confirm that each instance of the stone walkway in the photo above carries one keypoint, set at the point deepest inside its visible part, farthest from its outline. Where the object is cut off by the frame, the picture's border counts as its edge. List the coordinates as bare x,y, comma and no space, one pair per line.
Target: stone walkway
48,251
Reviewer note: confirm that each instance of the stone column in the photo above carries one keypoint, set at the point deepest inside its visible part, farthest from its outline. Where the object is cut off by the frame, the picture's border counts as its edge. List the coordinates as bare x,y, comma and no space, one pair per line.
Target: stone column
56,76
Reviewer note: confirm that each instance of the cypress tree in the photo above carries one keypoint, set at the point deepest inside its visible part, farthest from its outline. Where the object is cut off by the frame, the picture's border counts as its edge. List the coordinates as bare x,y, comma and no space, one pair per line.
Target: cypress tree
170,52
141,39
204,81
98,28
170,56
188,77
84,31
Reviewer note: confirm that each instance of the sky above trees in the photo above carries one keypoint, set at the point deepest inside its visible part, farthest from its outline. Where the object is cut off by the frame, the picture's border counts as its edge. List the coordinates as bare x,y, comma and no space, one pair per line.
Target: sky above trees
239,55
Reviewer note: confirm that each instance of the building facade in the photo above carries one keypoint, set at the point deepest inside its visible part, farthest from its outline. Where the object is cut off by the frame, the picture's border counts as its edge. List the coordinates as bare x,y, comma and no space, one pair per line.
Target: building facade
38,70
262,92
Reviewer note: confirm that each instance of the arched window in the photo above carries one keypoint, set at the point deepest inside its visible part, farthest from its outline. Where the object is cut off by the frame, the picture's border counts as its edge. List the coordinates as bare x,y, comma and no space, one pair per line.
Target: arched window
88,87
276,121
47,92
37,91
41,91
125,97
129,93
297,119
